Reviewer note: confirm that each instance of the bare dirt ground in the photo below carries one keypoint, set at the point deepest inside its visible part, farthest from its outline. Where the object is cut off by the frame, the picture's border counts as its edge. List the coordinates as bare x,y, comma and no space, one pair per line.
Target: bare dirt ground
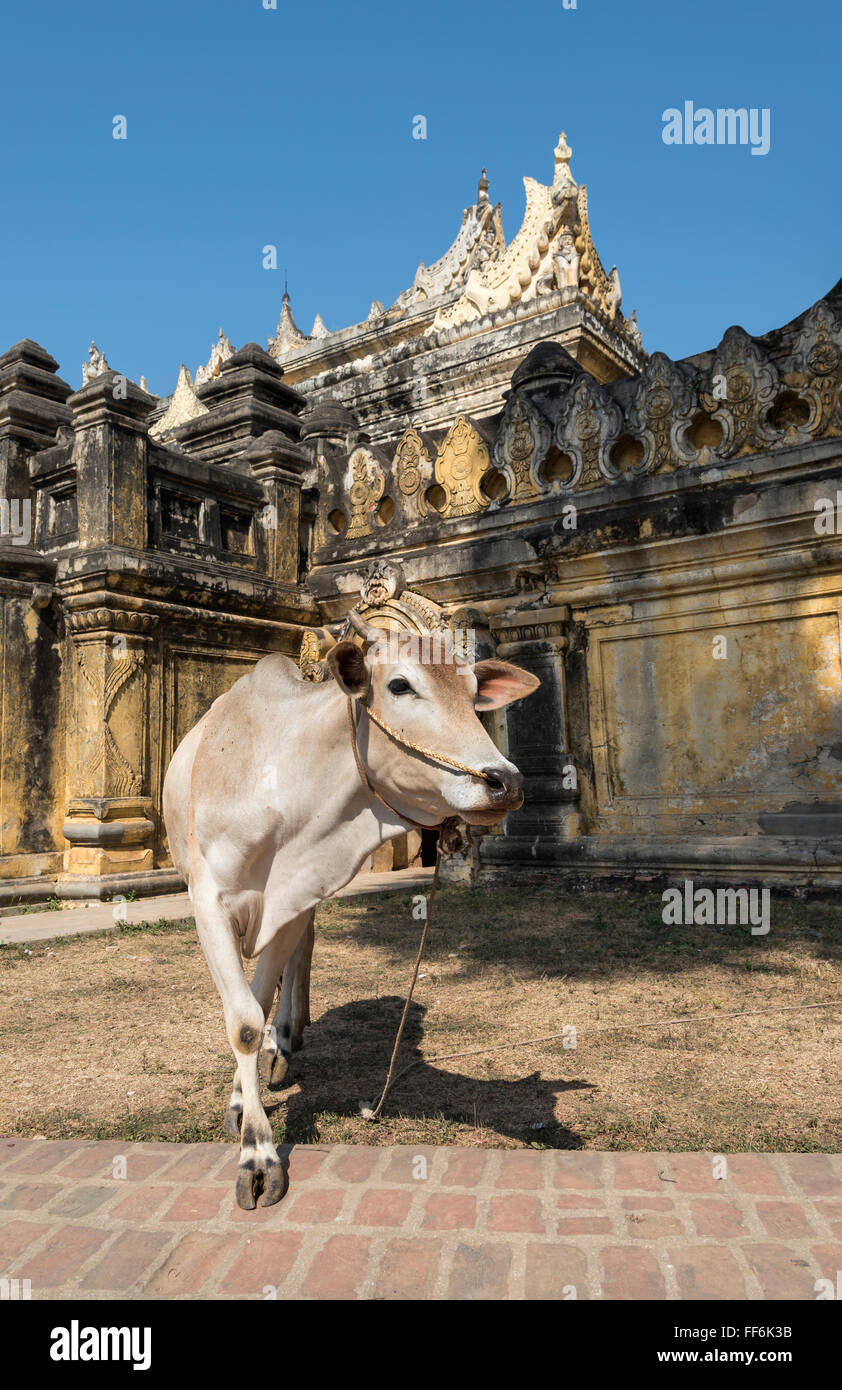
120,1035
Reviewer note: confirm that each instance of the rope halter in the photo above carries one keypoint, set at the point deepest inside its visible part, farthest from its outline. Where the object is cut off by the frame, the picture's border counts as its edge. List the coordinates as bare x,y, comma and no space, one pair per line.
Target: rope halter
445,826
450,840
425,752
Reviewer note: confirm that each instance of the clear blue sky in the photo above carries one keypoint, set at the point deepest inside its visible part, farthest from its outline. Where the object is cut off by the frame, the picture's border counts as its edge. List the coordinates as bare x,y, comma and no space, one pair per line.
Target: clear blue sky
293,126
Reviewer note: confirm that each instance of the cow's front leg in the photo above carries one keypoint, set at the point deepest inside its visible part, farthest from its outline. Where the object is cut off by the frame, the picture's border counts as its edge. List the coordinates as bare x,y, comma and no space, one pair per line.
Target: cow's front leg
293,1013
263,986
260,1169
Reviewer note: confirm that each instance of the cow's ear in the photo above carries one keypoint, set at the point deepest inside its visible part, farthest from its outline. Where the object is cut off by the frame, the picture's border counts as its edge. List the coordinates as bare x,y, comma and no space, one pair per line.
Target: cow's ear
348,667
498,683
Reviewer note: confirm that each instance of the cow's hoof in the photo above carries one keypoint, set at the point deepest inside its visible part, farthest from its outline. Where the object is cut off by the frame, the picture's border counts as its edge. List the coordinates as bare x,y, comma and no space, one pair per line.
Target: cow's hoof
277,1069
233,1121
270,1179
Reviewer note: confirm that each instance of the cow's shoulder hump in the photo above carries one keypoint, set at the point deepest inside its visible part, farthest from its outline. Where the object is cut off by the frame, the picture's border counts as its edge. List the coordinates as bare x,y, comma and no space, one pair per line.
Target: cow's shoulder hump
277,676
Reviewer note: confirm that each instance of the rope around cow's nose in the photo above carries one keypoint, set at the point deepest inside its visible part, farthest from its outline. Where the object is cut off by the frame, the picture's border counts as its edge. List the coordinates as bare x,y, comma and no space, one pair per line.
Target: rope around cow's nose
425,752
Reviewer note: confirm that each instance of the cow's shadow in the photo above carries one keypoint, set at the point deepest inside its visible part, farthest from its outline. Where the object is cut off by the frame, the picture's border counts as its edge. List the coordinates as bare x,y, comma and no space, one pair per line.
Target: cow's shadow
343,1064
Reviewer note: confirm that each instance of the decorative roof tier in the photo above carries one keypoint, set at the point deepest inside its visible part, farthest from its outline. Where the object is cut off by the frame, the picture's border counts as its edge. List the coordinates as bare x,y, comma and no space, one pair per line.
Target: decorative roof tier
552,251
479,240
453,338
479,275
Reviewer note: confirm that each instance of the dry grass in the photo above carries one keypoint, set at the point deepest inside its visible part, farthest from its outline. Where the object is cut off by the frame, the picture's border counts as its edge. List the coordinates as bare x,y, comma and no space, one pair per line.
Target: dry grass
120,1035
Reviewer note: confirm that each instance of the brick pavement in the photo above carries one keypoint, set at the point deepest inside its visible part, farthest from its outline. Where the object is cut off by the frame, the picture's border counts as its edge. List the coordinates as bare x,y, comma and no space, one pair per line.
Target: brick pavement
394,1223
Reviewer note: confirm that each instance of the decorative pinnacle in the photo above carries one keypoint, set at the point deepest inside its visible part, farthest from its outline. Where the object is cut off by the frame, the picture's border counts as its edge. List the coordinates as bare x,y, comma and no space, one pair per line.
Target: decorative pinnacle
562,155
482,187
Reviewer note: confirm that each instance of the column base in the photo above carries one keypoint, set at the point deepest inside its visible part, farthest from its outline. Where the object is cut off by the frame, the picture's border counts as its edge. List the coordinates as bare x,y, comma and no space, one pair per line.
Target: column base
93,863
108,835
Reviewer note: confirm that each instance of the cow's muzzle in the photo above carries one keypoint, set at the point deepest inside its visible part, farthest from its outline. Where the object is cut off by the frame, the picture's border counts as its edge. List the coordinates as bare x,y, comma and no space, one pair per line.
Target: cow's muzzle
505,787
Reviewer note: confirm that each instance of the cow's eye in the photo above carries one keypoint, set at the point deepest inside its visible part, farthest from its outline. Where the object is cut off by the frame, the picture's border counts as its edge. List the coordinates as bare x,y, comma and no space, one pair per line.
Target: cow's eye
399,686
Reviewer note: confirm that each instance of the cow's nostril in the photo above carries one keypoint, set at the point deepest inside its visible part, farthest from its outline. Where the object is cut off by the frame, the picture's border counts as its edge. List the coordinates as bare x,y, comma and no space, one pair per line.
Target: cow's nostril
503,783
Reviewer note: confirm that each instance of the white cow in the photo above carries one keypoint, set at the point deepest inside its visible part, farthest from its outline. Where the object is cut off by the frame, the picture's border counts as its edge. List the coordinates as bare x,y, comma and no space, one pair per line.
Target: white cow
269,811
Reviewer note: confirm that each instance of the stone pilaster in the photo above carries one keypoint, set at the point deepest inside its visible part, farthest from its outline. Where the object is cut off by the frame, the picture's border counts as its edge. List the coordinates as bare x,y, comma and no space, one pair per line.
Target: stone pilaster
536,639
109,420
109,822
280,464
32,407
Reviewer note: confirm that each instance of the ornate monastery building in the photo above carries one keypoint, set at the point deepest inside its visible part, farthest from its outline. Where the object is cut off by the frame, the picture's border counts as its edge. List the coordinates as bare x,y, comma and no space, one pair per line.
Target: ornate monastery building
494,453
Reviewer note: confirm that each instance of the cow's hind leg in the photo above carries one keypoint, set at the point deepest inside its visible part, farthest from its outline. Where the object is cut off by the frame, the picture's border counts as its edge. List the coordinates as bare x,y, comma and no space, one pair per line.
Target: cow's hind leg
293,1013
260,1168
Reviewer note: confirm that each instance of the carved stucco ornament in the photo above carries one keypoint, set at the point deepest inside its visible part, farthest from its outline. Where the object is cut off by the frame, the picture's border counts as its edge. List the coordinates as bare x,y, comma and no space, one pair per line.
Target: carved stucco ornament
383,580
386,602
602,290
120,777
109,646
744,384
220,353
406,611
522,442
461,462
365,484
413,468
503,281
309,659
184,405
589,426
95,366
479,242
818,370
661,409
553,252
526,267
287,336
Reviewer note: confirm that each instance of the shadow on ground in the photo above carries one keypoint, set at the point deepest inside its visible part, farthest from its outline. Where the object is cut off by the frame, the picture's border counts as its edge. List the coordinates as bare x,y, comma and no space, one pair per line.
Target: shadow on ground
344,1061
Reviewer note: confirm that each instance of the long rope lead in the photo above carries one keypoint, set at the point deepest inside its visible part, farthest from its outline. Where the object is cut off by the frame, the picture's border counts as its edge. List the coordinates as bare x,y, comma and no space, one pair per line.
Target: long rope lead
367,1112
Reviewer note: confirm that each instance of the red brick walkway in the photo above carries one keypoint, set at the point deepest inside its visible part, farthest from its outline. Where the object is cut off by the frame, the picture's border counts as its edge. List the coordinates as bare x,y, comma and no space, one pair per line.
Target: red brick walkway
98,1220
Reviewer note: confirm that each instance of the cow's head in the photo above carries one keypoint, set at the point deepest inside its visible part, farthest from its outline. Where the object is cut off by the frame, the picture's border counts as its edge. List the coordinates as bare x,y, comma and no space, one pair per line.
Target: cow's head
431,699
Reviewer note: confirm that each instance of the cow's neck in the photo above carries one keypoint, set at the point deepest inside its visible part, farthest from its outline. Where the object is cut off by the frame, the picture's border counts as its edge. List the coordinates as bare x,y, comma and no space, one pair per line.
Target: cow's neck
346,824
375,818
